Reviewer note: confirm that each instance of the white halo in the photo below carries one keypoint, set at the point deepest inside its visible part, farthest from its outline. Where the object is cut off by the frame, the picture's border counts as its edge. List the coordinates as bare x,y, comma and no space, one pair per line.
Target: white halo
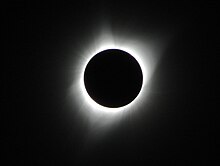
94,104
139,48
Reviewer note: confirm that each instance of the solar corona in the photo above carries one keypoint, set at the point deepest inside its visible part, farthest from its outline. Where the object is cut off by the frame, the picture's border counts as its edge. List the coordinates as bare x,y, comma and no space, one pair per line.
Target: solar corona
111,75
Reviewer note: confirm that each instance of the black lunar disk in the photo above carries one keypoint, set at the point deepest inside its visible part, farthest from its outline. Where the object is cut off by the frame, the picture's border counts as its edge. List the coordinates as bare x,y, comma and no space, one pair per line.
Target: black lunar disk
113,78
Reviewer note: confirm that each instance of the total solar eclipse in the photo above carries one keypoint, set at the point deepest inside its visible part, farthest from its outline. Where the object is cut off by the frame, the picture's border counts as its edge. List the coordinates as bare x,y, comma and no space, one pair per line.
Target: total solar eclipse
113,78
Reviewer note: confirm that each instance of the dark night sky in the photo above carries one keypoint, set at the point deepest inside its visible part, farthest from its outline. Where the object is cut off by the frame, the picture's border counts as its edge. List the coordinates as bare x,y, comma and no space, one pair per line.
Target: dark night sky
178,130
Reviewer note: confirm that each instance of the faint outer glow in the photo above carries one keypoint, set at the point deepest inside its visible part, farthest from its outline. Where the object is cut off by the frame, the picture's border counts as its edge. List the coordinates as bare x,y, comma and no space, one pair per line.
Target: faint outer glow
139,48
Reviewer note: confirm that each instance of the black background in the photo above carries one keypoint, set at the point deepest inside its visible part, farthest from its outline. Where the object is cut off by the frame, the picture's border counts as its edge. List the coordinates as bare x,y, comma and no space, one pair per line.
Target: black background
180,127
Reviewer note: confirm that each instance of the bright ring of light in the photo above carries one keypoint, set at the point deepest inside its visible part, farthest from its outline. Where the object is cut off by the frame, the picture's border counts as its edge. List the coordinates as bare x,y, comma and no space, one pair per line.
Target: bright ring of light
138,47
99,107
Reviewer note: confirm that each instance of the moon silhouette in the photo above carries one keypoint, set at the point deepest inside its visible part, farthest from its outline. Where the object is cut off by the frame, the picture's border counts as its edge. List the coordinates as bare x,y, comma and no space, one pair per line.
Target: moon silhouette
113,78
